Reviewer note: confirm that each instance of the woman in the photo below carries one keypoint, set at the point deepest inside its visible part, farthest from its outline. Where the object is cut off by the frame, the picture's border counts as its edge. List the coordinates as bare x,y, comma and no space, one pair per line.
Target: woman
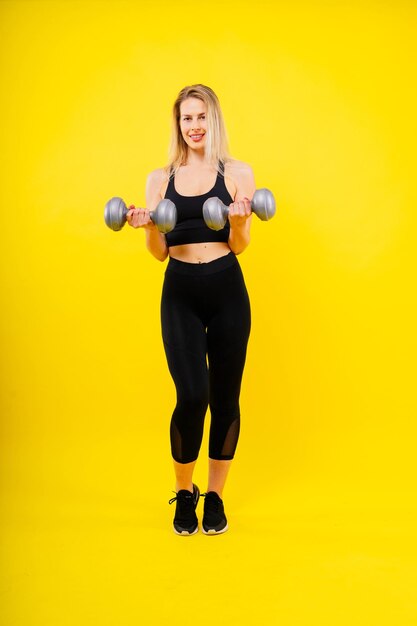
205,308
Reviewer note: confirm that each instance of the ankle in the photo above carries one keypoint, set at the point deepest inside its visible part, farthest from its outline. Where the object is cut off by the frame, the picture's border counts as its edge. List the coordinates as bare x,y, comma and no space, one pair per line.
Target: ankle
187,486
218,491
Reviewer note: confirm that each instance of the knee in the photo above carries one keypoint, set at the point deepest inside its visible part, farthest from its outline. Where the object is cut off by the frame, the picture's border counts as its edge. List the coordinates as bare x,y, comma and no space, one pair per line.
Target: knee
187,426
226,412
192,406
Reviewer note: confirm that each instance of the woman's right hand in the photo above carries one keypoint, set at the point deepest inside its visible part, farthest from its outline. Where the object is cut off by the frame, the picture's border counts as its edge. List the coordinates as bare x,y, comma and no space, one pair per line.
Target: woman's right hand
139,218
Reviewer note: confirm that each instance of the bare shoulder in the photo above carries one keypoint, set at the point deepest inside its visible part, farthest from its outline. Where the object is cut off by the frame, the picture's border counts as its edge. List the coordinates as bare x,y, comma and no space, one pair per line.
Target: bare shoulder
154,183
238,168
157,177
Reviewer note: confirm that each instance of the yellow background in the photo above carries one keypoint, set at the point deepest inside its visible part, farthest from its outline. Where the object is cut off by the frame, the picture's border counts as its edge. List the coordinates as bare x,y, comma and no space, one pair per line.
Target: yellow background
319,97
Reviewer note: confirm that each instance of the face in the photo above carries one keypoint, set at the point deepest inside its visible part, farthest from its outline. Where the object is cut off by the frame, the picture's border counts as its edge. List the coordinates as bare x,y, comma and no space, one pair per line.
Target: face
193,123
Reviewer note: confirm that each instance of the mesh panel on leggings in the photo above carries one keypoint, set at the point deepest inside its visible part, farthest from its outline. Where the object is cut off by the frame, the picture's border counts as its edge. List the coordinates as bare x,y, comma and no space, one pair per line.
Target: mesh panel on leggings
176,442
230,442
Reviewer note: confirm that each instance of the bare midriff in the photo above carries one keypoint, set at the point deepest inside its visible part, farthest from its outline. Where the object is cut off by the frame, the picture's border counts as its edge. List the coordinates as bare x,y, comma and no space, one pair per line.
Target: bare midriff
199,252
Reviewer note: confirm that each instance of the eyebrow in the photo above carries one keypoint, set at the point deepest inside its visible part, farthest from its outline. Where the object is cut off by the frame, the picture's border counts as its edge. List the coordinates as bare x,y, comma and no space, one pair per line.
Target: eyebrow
189,114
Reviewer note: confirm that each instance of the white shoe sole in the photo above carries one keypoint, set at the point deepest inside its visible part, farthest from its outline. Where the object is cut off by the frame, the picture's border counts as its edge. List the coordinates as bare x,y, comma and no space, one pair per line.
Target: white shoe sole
214,532
185,533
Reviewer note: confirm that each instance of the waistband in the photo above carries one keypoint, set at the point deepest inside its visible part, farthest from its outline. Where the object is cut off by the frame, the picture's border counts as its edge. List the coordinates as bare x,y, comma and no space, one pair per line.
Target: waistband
202,269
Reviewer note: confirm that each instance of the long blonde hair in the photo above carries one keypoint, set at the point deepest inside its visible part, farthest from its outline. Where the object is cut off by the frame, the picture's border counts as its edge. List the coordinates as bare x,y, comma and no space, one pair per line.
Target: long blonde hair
216,150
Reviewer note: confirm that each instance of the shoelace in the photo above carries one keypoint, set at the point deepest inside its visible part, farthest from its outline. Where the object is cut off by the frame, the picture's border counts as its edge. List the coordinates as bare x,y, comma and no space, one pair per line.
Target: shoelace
214,501
183,497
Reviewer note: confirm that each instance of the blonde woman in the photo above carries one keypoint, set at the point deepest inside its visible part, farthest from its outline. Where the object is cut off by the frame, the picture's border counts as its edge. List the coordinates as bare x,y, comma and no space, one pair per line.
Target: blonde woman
205,307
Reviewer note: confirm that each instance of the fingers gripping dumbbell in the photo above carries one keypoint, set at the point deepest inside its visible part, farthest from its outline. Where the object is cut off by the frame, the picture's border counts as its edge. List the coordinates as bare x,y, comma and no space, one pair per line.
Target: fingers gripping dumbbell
215,213
164,217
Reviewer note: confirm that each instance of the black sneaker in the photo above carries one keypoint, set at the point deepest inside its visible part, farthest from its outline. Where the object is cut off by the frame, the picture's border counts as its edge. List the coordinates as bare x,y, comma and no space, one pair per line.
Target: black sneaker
214,519
185,520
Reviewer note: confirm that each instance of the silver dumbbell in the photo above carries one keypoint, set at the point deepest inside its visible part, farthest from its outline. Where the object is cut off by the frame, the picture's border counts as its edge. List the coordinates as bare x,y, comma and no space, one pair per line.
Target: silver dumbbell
164,217
215,213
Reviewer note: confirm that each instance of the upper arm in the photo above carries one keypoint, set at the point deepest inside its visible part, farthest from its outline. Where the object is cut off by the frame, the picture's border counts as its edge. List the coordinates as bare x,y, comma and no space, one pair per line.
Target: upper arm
154,183
245,182
245,186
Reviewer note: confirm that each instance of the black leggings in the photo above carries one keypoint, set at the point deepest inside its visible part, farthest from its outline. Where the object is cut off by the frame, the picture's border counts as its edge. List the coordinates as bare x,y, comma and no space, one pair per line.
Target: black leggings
205,312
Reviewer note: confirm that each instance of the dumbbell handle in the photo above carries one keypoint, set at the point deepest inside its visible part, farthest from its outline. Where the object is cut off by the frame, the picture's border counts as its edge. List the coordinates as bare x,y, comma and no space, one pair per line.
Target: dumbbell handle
164,217
215,212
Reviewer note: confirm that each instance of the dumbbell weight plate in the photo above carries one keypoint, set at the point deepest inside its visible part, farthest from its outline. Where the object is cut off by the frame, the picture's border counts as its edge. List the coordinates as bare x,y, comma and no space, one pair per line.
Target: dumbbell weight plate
263,204
215,213
164,216
115,213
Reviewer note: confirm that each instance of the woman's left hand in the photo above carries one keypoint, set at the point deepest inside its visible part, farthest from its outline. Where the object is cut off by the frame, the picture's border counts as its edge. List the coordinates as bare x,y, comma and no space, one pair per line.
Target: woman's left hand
239,212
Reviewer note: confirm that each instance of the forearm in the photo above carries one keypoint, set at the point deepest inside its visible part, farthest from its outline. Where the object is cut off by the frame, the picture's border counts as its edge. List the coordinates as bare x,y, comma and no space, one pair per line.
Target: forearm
156,244
239,239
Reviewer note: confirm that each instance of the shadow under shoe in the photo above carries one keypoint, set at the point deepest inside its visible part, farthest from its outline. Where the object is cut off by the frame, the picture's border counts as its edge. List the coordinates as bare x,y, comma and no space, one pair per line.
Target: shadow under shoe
214,518
185,519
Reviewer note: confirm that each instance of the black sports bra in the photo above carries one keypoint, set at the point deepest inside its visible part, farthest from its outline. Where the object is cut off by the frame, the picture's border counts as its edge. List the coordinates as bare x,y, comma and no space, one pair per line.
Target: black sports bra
190,226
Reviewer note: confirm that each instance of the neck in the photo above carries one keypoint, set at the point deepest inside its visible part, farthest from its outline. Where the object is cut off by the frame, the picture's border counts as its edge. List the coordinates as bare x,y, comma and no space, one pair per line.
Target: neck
196,158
